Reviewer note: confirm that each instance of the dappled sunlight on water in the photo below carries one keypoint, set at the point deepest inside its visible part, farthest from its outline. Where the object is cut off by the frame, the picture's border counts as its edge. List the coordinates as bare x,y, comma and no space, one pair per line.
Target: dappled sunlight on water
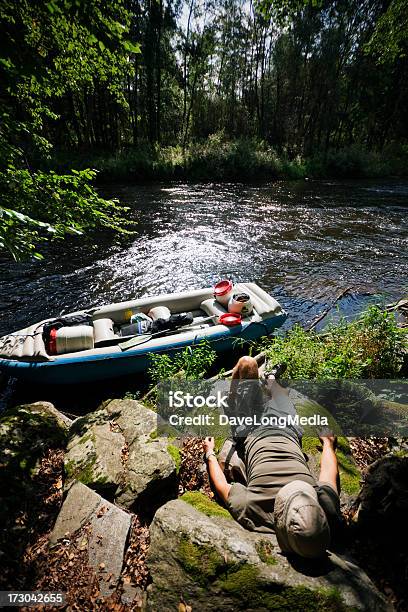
304,242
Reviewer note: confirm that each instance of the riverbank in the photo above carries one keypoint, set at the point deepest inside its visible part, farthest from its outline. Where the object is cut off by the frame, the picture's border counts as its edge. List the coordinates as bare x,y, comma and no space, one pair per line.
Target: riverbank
219,159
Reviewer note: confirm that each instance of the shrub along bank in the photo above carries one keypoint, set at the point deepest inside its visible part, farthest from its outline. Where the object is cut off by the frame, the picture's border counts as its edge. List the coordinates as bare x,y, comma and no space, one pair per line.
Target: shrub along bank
218,159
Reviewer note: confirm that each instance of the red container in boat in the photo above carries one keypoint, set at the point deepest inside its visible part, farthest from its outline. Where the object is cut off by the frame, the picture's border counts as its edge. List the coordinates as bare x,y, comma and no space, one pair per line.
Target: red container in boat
52,343
70,339
230,319
223,291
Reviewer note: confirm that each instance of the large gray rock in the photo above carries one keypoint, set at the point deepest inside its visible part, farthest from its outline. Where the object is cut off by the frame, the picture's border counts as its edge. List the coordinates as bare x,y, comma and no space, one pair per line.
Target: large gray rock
28,434
94,452
214,564
383,499
48,410
106,536
115,450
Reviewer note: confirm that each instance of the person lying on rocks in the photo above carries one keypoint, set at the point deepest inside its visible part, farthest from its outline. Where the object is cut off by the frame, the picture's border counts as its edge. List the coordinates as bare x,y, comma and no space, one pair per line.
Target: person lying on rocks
262,475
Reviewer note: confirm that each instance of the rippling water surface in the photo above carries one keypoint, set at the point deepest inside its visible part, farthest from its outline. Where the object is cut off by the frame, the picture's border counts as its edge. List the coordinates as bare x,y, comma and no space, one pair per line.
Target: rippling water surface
303,242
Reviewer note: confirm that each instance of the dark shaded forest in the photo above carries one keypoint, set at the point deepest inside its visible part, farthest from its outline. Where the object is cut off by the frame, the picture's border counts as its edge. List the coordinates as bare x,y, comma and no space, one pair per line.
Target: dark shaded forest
304,80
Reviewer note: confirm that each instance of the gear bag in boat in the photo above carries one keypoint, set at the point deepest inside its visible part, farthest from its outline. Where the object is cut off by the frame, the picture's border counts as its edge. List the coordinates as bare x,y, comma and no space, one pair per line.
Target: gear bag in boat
174,322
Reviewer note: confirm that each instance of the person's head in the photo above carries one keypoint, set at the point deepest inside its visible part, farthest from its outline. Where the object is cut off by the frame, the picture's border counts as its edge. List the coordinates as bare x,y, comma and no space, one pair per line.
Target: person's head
300,523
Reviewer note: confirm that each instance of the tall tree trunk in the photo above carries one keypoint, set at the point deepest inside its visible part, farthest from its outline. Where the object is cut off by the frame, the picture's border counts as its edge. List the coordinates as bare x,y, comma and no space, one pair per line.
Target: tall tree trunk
158,71
184,128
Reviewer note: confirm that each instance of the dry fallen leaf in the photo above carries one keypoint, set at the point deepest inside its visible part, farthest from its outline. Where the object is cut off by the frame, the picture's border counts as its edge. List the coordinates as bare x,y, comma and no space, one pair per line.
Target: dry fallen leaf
83,544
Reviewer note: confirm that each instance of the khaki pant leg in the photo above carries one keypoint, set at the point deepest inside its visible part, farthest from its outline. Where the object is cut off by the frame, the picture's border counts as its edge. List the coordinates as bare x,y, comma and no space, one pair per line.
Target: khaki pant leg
231,463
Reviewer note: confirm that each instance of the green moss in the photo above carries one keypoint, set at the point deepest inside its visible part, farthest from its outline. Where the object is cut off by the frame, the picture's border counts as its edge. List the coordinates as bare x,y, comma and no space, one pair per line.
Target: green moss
25,436
204,504
29,427
205,566
101,480
150,404
246,585
350,475
153,435
83,473
202,563
310,445
87,475
70,469
264,550
400,453
174,453
85,438
219,442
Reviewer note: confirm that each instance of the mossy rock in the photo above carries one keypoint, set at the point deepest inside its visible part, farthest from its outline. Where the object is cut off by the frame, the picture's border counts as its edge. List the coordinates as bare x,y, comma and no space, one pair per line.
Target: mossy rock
265,551
246,585
27,433
202,562
215,564
94,454
203,504
206,566
116,450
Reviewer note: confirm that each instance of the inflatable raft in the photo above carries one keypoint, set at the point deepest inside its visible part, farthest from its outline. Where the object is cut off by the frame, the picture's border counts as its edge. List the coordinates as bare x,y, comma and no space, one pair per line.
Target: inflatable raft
26,355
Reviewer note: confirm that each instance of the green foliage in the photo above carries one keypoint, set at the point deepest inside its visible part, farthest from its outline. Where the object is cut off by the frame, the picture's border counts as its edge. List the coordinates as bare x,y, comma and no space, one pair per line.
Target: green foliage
370,347
132,395
283,11
357,162
72,74
220,158
389,40
50,50
66,204
193,362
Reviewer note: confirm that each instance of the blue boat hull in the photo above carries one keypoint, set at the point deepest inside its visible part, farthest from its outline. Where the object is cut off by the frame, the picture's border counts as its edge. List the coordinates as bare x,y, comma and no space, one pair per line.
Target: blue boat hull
111,365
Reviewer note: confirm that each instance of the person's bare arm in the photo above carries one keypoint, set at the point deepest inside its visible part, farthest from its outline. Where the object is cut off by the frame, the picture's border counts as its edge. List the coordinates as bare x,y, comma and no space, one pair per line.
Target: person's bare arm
215,472
329,469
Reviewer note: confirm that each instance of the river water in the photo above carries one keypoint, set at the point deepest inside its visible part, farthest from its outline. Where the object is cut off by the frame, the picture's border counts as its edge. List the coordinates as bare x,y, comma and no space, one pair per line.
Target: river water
304,242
